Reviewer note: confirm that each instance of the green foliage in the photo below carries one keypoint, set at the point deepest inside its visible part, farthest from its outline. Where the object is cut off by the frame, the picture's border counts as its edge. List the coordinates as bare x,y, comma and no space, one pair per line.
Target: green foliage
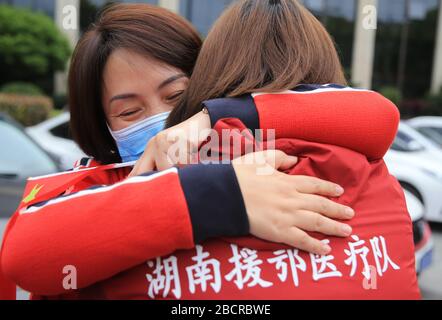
342,32
31,46
419,55
28,110
88,13
22,88
434,102
55,112
392,93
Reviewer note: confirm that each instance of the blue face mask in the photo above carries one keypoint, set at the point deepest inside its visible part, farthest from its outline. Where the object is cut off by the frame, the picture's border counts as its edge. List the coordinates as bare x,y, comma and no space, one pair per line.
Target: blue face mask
132,141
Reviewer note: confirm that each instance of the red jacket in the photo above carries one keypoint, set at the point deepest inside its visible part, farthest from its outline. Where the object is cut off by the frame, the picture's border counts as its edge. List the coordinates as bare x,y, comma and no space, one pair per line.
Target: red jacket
110,245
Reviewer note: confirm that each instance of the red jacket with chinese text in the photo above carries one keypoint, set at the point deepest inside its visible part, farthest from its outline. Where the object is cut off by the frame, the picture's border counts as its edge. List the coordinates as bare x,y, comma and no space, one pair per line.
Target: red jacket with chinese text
376,262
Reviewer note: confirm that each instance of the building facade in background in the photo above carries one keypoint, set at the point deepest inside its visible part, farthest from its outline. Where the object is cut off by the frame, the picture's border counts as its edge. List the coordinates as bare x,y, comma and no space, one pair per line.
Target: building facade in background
404,51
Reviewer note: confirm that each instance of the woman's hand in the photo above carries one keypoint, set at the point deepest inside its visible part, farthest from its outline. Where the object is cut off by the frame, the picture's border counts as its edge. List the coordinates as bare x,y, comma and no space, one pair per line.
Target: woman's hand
282,207
188,136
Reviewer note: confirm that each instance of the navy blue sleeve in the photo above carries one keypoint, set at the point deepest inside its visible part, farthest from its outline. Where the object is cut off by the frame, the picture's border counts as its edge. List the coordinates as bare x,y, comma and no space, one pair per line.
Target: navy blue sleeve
242,108
214,200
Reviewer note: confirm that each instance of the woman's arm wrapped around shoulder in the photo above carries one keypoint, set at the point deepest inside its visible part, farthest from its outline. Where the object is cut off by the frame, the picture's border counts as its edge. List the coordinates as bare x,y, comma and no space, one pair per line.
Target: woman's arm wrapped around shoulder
102,230
361,120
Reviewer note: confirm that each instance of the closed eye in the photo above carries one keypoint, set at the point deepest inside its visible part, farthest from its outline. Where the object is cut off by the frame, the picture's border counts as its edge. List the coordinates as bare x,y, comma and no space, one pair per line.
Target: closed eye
129,113
175,96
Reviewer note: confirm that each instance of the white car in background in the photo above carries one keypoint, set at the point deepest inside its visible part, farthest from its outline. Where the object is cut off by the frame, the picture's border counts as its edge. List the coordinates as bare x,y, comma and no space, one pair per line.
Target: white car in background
430,127
417,163
53,135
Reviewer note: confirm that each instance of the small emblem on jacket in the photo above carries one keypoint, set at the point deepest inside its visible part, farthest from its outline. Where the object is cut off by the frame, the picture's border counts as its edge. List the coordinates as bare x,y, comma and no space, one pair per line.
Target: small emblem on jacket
33,194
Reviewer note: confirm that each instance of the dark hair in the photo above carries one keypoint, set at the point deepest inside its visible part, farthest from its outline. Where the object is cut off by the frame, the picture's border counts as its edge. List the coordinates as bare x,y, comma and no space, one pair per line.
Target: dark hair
260,45
147,30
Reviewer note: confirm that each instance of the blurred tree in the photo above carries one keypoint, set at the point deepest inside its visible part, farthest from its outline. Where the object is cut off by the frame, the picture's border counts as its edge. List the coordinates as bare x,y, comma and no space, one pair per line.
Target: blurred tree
31,47
88,13
420,54
434,104
417,63
392,93
21,88
342,32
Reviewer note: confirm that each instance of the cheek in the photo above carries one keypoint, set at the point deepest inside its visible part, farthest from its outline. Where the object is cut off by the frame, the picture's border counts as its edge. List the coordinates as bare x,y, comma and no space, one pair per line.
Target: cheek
116,124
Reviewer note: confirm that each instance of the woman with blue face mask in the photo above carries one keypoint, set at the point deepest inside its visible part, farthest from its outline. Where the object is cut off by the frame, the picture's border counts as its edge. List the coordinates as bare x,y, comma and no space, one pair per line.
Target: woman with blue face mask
137,103
127,73
132,140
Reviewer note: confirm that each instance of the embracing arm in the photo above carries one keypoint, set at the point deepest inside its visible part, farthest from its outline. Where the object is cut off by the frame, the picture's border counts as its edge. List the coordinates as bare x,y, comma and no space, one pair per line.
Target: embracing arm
102,231
361,120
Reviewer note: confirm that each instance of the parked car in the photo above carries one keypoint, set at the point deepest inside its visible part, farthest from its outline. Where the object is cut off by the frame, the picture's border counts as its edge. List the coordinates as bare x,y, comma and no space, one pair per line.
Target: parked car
21,157
54,136
423,243
430,127
417,164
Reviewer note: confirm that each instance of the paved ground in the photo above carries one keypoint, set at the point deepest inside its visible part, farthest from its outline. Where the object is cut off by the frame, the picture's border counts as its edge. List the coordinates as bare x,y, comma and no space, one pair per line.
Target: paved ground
430,280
